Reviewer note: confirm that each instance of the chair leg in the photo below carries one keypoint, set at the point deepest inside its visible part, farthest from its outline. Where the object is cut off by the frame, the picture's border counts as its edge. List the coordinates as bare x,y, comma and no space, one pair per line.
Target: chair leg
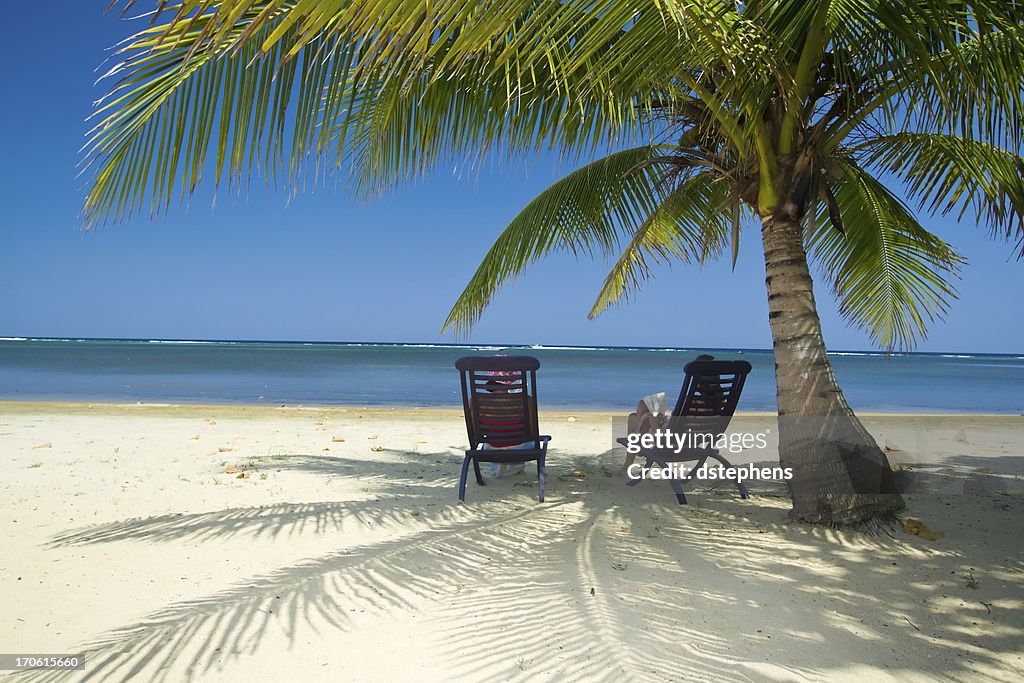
739,484
476,470
540,479
677,485
647,466
462,478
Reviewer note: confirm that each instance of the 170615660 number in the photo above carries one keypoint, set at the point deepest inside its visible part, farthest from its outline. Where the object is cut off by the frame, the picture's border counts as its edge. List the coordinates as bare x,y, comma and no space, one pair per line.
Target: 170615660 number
25,661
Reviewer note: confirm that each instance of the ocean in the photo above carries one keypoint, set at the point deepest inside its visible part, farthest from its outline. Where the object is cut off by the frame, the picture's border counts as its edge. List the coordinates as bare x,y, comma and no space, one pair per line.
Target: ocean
570,378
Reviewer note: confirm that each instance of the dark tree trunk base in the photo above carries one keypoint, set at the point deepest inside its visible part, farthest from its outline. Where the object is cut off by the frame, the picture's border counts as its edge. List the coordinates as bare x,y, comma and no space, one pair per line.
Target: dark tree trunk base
847,510
840,475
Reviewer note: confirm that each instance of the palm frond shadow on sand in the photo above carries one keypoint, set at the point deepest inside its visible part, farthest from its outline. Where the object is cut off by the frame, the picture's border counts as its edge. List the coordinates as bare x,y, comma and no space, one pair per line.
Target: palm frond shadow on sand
636,587
412,483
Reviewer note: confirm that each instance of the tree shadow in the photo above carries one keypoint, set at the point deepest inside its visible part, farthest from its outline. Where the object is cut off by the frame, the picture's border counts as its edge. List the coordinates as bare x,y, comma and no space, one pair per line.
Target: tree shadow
965,475
283,519
584,587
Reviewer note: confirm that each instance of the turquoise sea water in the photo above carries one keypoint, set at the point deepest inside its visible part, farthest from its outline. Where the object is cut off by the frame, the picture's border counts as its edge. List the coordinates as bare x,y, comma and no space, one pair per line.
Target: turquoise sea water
577,378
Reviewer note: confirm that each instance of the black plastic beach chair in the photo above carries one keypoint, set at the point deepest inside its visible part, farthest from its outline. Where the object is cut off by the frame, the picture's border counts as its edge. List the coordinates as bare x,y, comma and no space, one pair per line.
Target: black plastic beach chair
499,398
707,401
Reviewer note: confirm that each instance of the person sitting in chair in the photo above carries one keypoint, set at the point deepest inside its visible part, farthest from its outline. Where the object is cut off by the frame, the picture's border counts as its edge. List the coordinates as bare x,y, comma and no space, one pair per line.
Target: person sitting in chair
653,414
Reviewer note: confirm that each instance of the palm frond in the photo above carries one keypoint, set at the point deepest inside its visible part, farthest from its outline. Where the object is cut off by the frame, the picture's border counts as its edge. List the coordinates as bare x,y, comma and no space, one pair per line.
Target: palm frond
415,122
947,173
890,275
691,224
960,79
587,211
177,113
220,87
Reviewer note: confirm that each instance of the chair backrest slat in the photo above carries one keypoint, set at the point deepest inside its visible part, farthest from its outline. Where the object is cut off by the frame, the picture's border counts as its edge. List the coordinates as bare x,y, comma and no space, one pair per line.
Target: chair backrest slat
711,390
499,399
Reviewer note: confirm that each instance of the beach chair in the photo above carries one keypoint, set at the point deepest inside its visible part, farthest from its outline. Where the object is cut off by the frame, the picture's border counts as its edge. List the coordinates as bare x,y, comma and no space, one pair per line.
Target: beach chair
711,389
499,399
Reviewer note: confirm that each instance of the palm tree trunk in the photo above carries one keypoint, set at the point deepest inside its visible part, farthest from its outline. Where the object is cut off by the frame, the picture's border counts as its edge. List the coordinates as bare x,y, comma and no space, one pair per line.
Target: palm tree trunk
840,475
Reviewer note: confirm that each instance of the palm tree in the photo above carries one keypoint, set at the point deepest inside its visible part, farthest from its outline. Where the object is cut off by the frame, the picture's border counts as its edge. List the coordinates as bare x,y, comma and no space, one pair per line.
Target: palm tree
794,114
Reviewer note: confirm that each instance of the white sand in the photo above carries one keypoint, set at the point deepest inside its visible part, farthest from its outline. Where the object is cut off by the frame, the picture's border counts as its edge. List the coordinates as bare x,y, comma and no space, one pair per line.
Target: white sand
123,536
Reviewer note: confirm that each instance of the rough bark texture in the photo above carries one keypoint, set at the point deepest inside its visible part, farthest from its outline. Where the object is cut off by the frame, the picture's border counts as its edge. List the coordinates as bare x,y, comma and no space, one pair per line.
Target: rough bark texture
840,475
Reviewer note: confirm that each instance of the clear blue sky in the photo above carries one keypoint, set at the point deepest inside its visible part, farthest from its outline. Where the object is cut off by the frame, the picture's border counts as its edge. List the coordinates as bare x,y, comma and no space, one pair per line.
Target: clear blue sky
322,267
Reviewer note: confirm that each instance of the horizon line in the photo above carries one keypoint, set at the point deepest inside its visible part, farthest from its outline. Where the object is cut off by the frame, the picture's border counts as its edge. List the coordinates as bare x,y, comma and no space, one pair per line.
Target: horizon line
550,347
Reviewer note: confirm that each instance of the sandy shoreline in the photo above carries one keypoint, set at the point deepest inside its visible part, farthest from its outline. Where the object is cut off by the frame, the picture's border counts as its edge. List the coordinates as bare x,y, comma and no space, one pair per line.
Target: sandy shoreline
345,555
18,407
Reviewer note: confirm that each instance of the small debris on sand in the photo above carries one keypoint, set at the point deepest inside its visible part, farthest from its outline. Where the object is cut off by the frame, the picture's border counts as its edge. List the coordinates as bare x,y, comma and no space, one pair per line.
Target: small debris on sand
917,528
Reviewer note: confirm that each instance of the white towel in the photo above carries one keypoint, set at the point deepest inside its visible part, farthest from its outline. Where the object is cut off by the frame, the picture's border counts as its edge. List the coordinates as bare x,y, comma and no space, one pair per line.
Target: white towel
657,403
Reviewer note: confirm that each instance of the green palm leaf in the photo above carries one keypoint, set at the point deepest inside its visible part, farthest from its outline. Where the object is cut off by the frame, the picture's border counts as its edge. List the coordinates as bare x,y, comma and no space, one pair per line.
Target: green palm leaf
948,173
420,120
691,224
890,275
177,103
223,87
587,211
966,82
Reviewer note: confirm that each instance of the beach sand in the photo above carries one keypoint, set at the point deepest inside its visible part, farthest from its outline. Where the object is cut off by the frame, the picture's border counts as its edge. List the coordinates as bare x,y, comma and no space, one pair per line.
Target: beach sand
344,554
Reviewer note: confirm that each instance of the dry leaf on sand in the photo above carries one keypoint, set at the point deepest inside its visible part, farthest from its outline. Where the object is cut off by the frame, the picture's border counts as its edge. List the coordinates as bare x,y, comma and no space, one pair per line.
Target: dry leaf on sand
917,528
